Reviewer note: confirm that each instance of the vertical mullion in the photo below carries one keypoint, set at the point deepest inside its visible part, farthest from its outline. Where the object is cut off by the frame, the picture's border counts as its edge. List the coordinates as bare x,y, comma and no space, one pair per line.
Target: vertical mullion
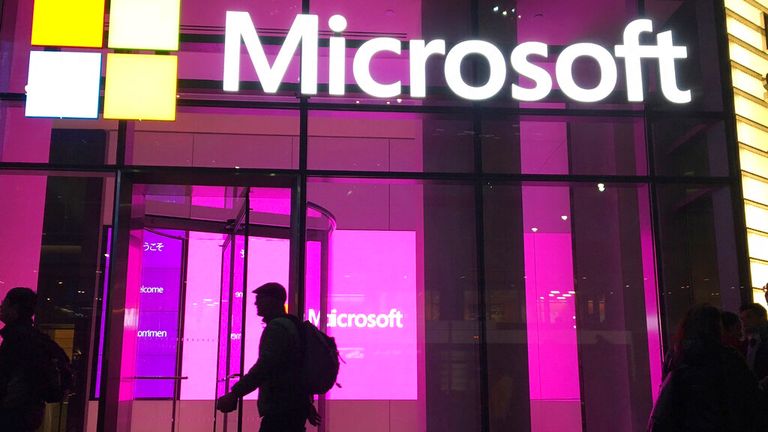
246,220
301,196
480,241
108,402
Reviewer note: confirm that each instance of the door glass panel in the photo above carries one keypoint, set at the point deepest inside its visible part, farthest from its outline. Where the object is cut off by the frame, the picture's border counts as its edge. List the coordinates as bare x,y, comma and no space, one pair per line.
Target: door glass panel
201,330
156,345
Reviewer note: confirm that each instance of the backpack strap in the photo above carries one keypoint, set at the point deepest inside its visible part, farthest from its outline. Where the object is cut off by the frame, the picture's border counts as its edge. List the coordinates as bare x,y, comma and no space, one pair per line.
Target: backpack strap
293,325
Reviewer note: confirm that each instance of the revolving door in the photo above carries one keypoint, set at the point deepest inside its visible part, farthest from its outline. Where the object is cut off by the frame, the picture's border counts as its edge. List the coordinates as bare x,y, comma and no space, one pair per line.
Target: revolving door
190,330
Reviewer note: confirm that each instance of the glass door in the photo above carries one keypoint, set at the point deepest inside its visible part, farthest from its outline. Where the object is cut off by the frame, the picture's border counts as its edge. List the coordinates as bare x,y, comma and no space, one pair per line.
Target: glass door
196,253
234,272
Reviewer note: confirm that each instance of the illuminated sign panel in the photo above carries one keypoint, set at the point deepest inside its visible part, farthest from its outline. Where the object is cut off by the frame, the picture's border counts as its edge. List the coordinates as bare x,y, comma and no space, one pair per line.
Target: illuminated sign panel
144,24
72,23
304,32
138,86
143,87
63,84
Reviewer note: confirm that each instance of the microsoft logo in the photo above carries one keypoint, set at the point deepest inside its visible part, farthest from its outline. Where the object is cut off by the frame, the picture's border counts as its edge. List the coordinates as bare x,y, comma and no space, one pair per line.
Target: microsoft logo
66,84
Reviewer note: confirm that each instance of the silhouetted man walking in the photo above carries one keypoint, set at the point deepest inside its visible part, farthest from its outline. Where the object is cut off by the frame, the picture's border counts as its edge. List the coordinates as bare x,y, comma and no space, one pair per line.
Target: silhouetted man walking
21,406
283,403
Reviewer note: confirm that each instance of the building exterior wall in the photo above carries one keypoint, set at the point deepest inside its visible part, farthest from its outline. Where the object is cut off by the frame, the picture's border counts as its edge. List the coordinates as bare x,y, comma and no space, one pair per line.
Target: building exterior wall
542,252
747,38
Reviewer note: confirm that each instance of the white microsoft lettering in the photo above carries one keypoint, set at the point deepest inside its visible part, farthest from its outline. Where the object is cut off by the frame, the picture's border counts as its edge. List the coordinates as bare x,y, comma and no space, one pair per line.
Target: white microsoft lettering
304,31
665,51
520,63
393,319
361,67
564,72
668,52
337,74
498,70
420,52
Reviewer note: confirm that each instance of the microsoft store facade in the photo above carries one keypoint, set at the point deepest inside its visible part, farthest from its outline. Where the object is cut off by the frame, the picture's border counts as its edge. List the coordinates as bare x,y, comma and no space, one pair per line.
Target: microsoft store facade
499,209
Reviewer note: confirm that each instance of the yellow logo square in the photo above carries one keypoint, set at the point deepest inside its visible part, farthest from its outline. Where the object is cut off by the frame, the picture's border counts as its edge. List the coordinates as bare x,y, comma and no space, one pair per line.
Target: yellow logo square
140,87
73,23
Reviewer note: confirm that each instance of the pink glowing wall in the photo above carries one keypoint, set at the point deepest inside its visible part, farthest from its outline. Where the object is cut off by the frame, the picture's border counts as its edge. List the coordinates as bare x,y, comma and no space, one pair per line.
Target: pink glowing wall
550,304
374,272
553,362
158,327
651,290
21,228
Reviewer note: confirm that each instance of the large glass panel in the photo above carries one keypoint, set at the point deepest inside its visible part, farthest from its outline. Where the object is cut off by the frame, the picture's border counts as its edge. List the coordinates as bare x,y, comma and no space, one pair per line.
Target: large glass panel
64,142
557,145
699,256
54,231
574,304
386,141
220,138
690,147
401,302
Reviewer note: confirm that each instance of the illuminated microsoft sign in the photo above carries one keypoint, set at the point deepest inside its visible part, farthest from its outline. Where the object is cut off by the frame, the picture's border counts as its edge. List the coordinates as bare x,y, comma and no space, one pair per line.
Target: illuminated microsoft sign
141,86
304,32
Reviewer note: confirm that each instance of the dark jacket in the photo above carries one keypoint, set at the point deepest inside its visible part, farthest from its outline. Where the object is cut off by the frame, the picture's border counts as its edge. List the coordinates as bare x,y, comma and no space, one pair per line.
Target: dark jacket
761,357
277,372
21,406
710,390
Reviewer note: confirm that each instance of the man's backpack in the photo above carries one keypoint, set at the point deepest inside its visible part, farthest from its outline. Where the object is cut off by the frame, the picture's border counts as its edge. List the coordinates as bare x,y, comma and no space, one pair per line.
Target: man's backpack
320,358
55,378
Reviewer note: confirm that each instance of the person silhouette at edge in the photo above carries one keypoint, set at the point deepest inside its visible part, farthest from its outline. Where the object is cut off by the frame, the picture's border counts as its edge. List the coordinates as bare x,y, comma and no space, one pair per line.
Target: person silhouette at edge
755,322
284,405
21,408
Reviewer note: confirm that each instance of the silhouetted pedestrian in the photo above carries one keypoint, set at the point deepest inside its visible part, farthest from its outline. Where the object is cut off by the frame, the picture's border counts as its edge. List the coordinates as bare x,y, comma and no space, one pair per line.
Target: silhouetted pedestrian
284,404
21,406
755,322
707,385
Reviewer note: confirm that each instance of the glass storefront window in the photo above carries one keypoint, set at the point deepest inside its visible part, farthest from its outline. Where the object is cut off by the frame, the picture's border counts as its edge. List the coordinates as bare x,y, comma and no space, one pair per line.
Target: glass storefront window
573,305
577,145
219,138
699,258
403,251
385,141
54,241
483,265
689,147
